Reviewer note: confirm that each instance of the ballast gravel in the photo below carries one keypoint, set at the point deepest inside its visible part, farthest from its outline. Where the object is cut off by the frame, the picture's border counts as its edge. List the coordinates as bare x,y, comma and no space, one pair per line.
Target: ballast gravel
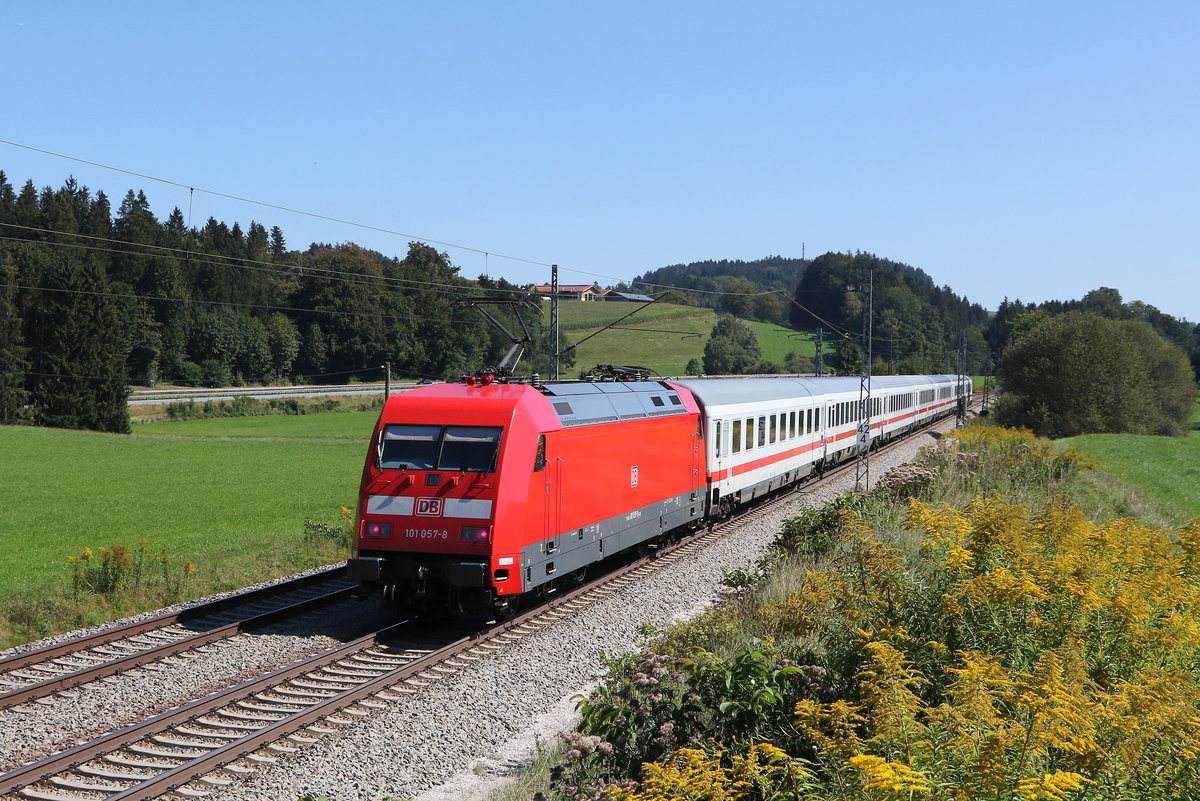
457,738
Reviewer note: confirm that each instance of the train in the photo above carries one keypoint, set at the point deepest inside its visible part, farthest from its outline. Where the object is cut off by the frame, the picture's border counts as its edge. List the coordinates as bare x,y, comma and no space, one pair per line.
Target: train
477,494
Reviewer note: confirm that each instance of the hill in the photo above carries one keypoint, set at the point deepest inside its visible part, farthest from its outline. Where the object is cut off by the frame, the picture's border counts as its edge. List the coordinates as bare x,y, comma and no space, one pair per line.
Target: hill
662,336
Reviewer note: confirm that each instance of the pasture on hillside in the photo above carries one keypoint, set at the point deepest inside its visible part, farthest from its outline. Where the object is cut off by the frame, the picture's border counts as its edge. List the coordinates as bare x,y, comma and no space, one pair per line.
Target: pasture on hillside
216,491
662,336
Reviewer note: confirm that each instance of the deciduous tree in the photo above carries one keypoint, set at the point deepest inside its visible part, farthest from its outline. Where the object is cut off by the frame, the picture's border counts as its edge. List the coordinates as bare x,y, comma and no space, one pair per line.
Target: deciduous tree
1079,373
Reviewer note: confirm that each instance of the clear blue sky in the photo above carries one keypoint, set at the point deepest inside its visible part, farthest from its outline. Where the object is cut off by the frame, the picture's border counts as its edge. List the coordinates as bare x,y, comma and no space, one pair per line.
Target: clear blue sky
1025,149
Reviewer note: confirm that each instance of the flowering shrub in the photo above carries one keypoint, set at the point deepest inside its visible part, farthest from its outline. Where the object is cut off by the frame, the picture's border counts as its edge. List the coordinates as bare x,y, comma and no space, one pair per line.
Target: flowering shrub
1000,654
116,569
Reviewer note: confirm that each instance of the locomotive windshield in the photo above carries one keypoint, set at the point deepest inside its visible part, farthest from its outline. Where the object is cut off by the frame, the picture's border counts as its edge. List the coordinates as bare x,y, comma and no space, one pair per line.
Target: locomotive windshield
468,449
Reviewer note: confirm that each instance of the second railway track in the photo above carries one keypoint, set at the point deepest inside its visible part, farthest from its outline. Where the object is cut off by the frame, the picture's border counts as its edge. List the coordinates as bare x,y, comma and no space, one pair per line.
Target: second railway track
40,672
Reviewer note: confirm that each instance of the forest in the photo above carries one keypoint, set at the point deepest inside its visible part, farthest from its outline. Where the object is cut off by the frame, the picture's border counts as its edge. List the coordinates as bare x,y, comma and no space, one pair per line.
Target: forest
92,302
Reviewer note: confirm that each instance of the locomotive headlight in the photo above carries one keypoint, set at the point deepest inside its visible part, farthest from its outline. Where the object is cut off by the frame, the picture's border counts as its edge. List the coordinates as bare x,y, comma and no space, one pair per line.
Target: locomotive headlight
382,530
474,534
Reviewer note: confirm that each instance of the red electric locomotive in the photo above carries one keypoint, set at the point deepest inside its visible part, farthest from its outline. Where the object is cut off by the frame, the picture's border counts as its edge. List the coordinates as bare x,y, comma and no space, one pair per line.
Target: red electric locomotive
476,493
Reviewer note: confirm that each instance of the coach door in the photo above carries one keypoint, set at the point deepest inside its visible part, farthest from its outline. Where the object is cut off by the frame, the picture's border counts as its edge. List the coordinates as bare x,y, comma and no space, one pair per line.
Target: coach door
718,434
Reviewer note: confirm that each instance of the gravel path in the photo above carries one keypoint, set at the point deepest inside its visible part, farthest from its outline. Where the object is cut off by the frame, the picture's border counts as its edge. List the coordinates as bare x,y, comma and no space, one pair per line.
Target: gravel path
462,736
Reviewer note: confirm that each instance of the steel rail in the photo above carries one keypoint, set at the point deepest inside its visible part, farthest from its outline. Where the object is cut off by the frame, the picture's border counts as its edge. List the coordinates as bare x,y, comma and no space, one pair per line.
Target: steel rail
62,681
49,766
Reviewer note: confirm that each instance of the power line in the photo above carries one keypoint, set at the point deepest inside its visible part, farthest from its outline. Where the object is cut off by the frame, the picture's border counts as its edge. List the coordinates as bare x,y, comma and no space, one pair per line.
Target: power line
194,257
365,226
264,204
231,304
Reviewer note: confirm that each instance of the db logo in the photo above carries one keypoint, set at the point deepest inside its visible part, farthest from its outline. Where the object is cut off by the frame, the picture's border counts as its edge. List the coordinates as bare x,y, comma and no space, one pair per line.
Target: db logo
429,507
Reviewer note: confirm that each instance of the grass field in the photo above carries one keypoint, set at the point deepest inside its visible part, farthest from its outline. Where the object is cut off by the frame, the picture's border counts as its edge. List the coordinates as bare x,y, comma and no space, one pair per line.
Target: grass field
1167,468
662,337
221,489
777,342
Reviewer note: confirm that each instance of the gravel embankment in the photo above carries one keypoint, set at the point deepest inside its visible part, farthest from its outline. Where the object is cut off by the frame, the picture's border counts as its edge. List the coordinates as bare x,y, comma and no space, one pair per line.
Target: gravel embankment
460,737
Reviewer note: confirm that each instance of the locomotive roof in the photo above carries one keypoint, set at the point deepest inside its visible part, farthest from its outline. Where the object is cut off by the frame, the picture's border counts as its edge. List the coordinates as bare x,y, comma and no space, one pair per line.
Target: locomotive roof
723,391
585,403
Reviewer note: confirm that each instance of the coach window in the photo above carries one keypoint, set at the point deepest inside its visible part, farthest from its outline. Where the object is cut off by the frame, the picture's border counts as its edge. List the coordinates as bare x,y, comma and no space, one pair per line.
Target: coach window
737,437
774,428
539,461
750,433
717,441
762,431
792,425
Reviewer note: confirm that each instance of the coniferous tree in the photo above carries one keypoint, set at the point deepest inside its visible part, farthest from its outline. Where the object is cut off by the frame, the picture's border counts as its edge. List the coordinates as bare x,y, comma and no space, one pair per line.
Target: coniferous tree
83,383
14,363
278,247
8,198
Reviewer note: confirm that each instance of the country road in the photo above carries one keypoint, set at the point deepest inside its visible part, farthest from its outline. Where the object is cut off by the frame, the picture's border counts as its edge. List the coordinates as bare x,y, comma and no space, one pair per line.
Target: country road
158,397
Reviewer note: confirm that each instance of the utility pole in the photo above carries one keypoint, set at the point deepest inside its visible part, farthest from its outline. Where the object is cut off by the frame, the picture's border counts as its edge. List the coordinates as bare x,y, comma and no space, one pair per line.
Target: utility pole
554,320
387,381
862,470
961,417
819,359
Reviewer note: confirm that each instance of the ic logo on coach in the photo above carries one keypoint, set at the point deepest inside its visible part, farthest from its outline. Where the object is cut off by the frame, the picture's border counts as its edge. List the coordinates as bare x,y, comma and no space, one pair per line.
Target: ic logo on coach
429,507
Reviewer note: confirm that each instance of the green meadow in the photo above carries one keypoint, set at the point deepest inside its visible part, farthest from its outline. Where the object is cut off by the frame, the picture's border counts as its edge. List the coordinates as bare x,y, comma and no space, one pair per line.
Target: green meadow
224,493
1166,469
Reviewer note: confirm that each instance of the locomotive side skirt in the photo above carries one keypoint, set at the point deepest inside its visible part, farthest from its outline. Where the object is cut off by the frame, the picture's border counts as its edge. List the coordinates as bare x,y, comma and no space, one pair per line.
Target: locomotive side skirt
572,550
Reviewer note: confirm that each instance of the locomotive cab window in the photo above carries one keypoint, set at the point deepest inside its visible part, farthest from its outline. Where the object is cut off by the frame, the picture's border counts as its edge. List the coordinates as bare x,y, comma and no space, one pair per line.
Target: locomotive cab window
539,461
466,449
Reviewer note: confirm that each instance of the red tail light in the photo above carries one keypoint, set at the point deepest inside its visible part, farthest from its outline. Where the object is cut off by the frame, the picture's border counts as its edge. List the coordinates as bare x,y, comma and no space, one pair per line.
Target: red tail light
474,534
377,529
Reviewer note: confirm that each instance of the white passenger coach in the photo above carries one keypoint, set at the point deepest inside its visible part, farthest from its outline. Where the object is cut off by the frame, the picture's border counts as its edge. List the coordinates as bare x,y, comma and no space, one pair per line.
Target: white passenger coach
764,433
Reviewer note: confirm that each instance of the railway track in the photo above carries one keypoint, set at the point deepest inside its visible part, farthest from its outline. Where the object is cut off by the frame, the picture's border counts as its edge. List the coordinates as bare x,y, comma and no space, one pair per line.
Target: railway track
41,672
200,747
